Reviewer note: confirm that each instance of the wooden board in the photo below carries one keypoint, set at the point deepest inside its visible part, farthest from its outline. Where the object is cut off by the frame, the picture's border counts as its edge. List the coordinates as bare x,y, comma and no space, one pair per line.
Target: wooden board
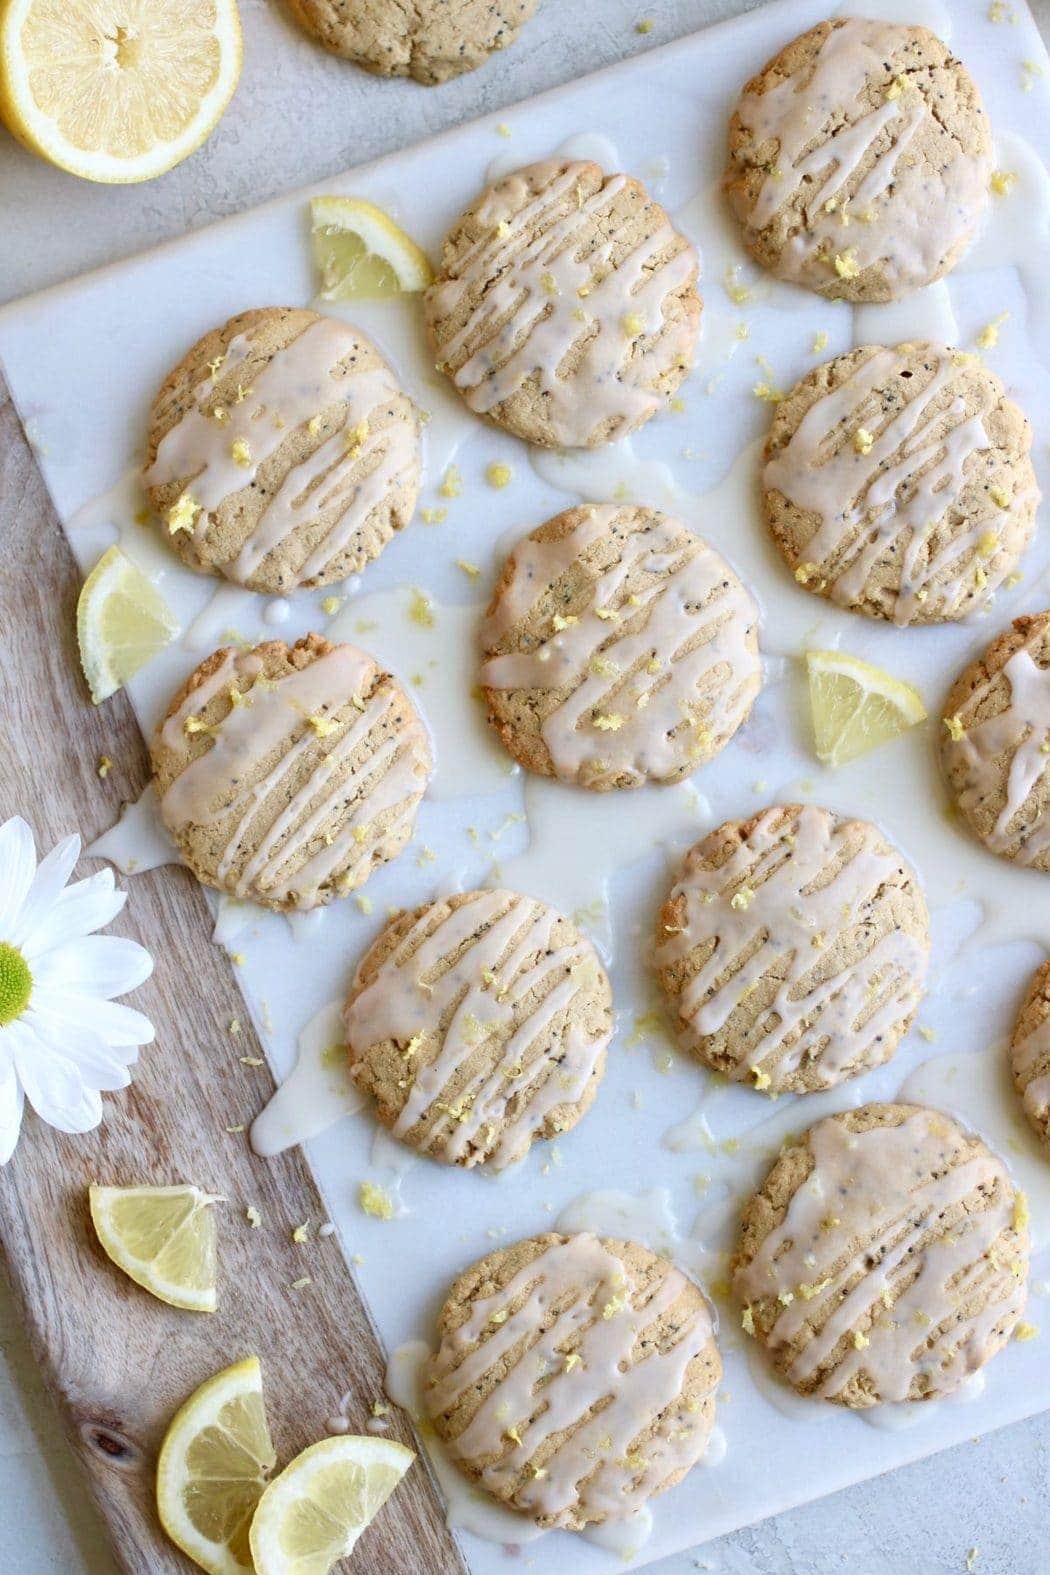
118,1362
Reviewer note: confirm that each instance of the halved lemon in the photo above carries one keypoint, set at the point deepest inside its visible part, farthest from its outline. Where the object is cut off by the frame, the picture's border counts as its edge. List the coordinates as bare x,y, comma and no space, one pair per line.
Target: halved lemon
122,622
856,706
360,251
163,1238
213,1465
117,90
313,1513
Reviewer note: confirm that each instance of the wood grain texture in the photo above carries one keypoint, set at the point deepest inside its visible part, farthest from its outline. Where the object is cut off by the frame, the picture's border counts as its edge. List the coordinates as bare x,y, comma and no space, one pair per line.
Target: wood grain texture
118,1362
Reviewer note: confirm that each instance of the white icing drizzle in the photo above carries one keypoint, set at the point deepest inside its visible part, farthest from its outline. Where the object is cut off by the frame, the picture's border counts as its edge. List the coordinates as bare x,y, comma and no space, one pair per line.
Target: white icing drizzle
939,1302
552,287
1021,730
491,963
351,472
609,1396
888,504
1030,1054
292,847
657,679
770,909
907,215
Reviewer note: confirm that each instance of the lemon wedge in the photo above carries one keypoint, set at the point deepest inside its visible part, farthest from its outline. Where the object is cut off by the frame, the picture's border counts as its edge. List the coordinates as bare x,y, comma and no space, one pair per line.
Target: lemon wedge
313,1513
162,1237
213,1465
122,622
855,706
116,90
360,251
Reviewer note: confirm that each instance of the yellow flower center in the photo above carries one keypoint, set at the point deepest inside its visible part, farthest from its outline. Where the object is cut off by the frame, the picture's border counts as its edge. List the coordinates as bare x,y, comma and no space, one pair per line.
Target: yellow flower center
16,983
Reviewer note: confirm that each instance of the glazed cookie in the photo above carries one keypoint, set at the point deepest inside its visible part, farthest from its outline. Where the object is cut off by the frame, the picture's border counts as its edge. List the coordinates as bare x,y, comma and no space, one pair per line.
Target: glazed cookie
565,309
430,40
793,949
996,743
884,1258
1030,1053
288,773
619,649
898,483
479,1023
859,160
282,452
575,1377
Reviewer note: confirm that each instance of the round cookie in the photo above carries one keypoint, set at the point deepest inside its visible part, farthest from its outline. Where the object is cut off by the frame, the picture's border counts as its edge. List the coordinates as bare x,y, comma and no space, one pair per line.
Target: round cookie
1030,1053
859,160
478,1023
429,40
793,949
619,649
282,452
574,1378
286,774
884,1257
899,483
995,745
565,309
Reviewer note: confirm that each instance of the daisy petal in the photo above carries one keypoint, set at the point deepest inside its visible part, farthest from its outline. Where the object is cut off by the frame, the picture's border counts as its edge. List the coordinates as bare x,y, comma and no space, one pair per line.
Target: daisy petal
100,965
53,1085
52,873
98,1064
85,906
17,865
118,1025
11,1104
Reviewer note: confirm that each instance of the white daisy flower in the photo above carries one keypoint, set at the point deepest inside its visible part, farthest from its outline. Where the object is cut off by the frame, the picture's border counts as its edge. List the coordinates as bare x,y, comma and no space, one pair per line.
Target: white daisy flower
63,1037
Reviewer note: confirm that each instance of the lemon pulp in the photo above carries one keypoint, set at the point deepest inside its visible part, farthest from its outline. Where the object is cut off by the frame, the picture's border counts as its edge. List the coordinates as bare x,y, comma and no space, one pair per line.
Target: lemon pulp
856,706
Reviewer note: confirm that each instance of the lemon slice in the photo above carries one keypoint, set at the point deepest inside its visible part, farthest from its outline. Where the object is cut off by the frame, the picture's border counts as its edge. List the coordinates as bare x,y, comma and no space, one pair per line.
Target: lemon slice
117,90
213,1465
313,1513
360,251
855,706
163,1238
122,622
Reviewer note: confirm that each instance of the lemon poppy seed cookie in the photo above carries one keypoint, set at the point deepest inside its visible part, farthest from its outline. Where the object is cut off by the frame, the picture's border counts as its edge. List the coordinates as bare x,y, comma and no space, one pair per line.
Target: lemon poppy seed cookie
565,308
1030,1053
430,40
793,949
619,648
286,774
282,452
574,1378
479,1023
859,160
884,1257
995,743
899,482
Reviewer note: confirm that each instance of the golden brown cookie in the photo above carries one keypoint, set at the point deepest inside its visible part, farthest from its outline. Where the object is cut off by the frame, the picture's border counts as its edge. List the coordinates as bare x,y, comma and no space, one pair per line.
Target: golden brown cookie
282,452
859,160
565,307
619,649
793,949
430,40
286,774
478,1023
899,483
995,743
574,1378
1030,1053
884,1257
